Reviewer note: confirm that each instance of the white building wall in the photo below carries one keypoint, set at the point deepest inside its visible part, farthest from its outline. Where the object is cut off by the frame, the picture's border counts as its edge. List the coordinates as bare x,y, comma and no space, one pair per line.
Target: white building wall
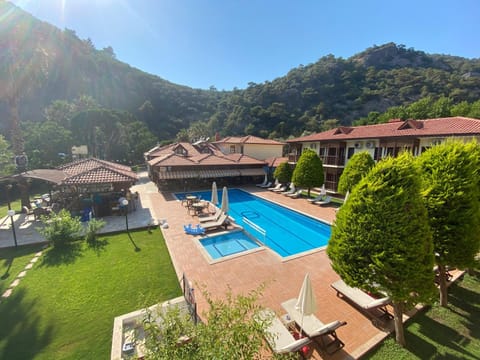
262,151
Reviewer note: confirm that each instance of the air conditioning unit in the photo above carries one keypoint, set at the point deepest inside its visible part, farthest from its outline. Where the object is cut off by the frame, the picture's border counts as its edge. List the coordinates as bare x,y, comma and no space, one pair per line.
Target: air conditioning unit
369,144
358,145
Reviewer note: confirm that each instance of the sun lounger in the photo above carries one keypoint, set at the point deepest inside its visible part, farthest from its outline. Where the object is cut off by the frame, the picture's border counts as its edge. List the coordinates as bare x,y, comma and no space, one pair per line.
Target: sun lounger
283,188
263,183
324,334
320,197
291,191
213,217
327,200
373,306
279,338
296,194
221,221
275,188
267,185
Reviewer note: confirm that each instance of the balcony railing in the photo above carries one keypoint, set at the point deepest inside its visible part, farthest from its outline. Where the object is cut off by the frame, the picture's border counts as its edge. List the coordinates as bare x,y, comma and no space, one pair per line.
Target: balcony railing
326,160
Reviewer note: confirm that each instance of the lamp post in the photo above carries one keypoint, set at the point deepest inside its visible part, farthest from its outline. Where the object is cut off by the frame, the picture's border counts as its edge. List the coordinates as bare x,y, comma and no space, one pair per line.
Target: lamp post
11,213
124,203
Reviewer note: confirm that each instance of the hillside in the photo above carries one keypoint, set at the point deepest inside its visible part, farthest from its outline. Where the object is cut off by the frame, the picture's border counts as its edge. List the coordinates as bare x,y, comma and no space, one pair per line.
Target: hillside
41,63
46,64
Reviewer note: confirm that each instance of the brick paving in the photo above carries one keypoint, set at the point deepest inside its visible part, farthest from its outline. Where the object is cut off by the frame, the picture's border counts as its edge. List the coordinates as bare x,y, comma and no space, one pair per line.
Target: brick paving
283,278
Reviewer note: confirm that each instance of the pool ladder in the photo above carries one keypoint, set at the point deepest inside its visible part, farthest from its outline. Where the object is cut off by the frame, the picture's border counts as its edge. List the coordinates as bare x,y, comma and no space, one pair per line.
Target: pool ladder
256,227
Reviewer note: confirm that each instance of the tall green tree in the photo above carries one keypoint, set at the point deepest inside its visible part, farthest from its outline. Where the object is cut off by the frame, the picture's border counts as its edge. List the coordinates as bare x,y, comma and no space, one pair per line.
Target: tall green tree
6,158
357,167
283,173
450,193
381,238
45,144
308,172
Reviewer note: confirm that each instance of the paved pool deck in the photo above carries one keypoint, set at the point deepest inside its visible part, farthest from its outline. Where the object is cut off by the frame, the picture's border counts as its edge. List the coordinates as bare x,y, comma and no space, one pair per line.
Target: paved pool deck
283,279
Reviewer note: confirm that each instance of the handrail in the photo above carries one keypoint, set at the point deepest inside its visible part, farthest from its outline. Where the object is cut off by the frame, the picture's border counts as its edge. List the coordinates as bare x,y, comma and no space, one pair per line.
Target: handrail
256,227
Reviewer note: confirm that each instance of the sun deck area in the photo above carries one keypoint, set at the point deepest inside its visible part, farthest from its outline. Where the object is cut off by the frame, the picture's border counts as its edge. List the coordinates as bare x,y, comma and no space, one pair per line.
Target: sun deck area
283,279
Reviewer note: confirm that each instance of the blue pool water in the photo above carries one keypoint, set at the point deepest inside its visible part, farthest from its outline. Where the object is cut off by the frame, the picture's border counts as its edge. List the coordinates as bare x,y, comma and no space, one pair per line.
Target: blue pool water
228,244
287,232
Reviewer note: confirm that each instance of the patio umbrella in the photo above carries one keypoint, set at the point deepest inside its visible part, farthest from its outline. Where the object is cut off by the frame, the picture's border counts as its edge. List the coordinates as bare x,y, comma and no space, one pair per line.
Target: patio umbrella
306,303
323,191
214,200
225,200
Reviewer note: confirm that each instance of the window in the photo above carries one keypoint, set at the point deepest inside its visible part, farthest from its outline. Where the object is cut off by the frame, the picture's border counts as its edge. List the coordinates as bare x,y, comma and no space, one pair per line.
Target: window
350,152
332,151
313,146
232,149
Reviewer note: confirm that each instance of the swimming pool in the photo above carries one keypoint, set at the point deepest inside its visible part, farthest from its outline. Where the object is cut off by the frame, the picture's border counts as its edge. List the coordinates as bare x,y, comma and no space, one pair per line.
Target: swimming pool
227,244
287,232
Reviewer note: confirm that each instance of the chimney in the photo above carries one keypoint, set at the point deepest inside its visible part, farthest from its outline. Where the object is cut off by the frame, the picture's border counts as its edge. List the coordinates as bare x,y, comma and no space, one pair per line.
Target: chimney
217,136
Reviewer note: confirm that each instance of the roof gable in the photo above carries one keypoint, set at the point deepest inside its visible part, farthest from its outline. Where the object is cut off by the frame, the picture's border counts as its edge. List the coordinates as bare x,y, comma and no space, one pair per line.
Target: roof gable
343,130
411,124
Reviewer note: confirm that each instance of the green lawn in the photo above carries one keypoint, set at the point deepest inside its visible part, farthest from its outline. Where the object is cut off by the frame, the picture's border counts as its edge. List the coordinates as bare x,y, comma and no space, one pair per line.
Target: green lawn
64,307
442,333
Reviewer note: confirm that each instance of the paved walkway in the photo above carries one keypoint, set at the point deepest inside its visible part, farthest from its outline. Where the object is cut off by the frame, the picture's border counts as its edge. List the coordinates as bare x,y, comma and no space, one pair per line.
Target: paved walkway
283,278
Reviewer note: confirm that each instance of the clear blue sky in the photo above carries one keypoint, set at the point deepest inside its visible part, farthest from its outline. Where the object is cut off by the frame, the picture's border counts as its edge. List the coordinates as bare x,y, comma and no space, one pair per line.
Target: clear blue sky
229,43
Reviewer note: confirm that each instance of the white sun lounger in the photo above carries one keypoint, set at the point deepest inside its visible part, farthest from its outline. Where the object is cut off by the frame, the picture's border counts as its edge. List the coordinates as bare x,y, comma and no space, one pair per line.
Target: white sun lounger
296,194
279,337
213,217
275,188
319,197
327,200
291,191
221,221
325,334
364,301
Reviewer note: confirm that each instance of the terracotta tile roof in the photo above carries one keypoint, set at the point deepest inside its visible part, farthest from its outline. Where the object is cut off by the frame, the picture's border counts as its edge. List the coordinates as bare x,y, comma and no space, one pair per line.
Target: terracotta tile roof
250,139
275,161
204,154
451,126
96,171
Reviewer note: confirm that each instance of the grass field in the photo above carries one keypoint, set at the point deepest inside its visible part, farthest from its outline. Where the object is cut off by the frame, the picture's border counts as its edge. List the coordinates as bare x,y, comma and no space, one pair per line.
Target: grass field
65,306
442,333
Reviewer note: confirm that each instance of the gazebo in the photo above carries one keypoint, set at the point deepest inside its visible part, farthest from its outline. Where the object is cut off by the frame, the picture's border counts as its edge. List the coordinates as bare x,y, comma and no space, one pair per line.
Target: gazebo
86,185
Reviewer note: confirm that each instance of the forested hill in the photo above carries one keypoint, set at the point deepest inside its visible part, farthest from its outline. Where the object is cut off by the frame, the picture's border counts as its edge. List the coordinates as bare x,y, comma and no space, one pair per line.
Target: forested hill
42,64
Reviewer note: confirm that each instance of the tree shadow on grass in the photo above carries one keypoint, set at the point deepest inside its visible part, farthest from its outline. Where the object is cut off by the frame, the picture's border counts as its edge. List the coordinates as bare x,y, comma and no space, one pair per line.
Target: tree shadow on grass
23,333
8,257
66,254
438,334
98,246
464,303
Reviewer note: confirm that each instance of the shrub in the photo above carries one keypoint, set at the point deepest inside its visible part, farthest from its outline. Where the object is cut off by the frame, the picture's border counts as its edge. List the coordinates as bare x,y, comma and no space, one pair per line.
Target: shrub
61,228
92,228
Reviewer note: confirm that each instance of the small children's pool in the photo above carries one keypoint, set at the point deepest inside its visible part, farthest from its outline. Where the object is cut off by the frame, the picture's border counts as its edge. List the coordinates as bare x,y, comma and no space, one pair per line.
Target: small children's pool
228,244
